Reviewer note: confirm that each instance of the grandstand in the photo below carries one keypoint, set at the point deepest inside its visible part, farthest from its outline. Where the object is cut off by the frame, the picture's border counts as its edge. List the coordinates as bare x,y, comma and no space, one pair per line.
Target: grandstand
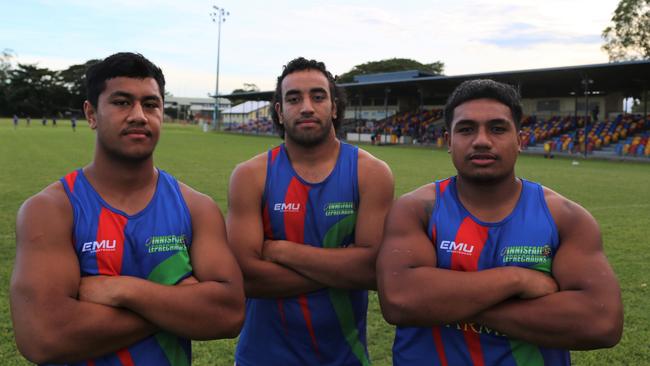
625,135
569,110
251,117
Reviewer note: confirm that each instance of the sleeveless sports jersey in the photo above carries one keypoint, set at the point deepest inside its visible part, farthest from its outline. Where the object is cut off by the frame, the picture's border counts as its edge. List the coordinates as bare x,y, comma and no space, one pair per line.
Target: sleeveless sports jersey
152,244
325,327
526,238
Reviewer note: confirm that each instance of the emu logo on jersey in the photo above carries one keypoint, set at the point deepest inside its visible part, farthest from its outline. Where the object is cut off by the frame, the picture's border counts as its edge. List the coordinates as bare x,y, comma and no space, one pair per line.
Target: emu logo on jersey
287,207
99,246
459,248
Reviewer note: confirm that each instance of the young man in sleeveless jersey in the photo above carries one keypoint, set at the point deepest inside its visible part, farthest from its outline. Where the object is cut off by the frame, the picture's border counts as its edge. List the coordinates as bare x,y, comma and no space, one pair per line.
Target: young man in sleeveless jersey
485,268
118,263
305,220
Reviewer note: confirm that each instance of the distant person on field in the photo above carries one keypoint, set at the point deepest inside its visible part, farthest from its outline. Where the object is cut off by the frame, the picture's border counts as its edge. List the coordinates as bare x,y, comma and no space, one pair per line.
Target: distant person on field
118,263
485,268
44,121
305,220
73,123
28,121
548,150
53,121
15,121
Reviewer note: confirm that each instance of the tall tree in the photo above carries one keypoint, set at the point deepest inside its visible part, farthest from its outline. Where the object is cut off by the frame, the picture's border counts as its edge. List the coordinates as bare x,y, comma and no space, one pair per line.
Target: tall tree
36,91
5,67
628,38
74,80
248,88
390,65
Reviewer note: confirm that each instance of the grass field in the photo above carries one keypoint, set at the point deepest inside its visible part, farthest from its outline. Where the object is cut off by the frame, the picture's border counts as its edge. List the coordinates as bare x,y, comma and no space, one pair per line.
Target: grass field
617,194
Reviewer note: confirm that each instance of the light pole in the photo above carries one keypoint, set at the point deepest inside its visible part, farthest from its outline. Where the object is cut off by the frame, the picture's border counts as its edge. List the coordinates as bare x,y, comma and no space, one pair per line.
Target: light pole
586,82
218,16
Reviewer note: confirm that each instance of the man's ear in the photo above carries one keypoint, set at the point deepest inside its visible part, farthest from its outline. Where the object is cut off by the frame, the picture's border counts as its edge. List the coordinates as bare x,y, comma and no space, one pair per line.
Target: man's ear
448,141
278,110
91,115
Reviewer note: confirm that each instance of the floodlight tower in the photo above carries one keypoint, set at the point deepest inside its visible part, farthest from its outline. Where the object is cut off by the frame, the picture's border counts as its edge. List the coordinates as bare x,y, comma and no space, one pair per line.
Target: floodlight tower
218,16
586,82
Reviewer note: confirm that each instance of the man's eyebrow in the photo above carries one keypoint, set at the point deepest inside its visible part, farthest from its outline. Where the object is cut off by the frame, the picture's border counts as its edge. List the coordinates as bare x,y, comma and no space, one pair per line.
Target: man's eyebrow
471,121
498,120
130,96
121,94
152,97
464,122
318,90
292,92
312,90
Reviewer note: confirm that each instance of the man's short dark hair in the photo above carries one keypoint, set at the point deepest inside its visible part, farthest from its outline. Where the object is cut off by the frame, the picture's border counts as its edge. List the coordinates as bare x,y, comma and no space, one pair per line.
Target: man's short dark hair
299,64
126,64
484,89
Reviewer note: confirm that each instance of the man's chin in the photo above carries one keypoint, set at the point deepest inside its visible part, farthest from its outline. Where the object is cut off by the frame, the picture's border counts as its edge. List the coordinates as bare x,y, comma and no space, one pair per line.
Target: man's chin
485,178
308,139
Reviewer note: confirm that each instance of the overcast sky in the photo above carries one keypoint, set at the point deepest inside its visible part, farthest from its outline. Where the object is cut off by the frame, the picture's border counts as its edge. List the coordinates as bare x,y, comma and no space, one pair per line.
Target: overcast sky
259,37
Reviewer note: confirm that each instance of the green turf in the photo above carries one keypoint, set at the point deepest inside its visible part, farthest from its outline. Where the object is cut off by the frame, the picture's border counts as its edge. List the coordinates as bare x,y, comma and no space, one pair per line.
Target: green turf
617,193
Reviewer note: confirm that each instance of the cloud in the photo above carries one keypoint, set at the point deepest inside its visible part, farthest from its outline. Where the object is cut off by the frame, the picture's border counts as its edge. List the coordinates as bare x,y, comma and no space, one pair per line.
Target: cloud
469,36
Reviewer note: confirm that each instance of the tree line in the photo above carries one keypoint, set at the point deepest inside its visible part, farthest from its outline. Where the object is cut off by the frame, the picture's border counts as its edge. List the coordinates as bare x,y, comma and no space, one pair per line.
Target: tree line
27,90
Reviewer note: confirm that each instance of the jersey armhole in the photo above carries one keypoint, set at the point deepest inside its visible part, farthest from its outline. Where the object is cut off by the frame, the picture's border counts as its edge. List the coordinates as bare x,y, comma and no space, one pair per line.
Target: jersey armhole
355,169
269,162
179,193
71,199
432,229
549,216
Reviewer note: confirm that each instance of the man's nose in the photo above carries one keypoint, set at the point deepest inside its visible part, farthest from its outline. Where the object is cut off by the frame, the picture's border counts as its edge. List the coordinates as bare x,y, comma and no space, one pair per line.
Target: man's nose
307,106
137,113
482,138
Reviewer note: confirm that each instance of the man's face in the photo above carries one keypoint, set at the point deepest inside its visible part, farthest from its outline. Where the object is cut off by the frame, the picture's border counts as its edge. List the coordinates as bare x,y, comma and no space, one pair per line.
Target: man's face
306,110
128,118
483,141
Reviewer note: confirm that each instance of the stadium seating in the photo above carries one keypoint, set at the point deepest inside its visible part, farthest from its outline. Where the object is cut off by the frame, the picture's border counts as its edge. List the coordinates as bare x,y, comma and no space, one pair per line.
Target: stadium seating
258,127
628,133
419,125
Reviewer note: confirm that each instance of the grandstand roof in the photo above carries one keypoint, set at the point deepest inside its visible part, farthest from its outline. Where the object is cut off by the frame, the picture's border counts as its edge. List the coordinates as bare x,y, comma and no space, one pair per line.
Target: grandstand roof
246,107
629,78
390,76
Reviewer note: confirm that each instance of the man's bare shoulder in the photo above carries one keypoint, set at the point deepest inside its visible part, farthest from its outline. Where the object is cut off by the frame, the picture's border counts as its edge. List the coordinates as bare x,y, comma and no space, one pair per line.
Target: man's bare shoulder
253,167
562,208
51,198
195,199
420,201
567,214
247,180
369,161
373,170
47,214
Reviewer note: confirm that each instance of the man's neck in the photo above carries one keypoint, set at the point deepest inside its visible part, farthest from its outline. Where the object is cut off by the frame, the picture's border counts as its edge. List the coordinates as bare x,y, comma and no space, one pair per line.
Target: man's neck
128,186
490,202
314,163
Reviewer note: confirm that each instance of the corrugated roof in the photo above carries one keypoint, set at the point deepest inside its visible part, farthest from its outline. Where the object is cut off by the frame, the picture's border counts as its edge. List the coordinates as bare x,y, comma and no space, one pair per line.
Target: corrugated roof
246,107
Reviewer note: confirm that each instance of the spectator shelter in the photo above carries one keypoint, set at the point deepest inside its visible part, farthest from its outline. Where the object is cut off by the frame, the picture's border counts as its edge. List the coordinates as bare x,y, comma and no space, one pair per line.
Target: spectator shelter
550,91
572,110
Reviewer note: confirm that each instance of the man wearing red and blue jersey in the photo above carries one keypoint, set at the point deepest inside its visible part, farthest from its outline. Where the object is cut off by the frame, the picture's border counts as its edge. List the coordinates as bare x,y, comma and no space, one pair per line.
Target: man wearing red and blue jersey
305,220
485,268
118,263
